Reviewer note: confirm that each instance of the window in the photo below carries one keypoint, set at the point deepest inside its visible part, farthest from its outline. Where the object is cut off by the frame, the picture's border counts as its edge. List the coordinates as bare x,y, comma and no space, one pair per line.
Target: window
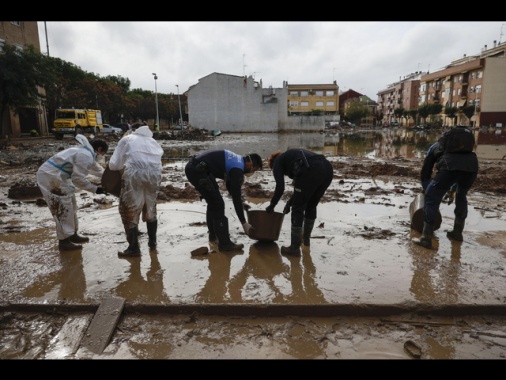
423,87
330,93
319,104
304,104
304,93
294,93
294,103
319,93
331,104
478,89
17,23
480,74
18,47
458,91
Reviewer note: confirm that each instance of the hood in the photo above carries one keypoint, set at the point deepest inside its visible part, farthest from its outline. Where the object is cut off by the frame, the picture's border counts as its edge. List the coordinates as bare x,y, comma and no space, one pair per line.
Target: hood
84,142
144,131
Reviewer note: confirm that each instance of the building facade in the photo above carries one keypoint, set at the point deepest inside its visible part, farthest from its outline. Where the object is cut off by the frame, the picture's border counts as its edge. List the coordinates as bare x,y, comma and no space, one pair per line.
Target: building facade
313,99
402,94
231,103
21,34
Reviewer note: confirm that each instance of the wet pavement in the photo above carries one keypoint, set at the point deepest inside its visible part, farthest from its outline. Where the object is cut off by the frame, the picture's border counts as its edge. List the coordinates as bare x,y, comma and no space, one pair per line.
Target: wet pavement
361,264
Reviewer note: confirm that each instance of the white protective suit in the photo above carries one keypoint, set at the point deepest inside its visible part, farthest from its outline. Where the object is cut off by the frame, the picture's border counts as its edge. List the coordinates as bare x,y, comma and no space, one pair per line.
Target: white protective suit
139,157
58,179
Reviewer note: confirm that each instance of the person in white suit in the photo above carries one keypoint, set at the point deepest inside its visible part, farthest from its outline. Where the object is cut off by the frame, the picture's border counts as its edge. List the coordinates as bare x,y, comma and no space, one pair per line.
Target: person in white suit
60,176
138,156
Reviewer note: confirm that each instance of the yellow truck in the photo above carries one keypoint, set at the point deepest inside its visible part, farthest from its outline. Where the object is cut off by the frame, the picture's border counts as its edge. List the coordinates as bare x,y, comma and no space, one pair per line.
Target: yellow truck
74,120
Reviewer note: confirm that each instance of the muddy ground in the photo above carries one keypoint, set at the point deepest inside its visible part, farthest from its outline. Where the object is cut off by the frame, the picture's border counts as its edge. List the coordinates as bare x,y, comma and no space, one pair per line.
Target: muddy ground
408,334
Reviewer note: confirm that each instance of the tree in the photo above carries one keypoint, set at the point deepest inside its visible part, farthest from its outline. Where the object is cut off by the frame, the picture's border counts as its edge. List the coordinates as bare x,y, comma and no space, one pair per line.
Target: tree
424,112
451,112
410,114
468,111
22,76
356,111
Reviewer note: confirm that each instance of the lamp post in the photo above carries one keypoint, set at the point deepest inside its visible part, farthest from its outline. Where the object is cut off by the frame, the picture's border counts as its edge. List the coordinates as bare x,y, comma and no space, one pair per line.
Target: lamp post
156,103
180,113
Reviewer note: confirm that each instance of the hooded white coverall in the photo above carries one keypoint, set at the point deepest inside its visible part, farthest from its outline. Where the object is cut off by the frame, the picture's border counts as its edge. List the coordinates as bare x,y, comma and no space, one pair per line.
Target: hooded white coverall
58,179
139,157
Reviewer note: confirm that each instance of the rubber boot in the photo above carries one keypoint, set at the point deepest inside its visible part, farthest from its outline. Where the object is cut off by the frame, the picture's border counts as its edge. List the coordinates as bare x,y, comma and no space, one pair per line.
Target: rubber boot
458,227
133,243
152,227
307,229
426,239
224,242
294,248
212,236
67,245
79,239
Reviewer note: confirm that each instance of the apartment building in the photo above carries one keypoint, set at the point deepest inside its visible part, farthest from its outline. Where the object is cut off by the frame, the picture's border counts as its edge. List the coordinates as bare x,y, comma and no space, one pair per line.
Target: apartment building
21,34
478,81
311,99
402,94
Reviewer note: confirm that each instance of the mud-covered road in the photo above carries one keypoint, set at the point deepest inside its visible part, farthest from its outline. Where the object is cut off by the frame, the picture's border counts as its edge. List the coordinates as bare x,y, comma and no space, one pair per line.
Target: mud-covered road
363,291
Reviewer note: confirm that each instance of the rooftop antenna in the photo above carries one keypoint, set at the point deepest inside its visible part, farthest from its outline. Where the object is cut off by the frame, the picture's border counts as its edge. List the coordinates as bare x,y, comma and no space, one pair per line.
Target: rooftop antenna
501,33
243,66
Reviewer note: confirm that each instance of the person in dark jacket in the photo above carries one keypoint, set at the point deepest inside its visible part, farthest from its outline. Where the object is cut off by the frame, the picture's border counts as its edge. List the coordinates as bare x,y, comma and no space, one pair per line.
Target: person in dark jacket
312,174
460,168
203,170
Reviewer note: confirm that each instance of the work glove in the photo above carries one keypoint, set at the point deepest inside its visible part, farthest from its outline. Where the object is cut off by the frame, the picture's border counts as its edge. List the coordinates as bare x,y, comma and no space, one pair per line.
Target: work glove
286,210
270,209
247,228
245,206
101,190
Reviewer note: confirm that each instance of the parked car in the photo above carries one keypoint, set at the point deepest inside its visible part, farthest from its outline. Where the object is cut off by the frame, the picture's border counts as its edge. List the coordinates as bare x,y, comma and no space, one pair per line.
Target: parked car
124,126
110,129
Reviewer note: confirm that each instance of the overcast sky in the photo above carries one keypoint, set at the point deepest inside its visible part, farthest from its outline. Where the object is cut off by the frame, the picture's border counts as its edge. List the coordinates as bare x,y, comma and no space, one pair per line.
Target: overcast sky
360,55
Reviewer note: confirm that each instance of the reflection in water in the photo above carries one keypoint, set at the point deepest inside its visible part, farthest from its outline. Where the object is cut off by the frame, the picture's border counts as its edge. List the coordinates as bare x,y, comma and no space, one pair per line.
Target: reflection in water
265,276
428,268
69,280
215,290
302,278
262,277
146,290
373,143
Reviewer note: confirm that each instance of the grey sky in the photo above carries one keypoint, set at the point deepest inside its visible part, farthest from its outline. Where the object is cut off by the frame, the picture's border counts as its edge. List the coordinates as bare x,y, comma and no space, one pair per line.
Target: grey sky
365,56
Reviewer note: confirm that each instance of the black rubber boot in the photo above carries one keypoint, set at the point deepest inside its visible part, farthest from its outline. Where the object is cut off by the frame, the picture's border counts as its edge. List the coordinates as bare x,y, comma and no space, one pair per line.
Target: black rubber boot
68,245
79,239
210,227
224,242
152,228
294,248
133,244
458,227
426,239
307,229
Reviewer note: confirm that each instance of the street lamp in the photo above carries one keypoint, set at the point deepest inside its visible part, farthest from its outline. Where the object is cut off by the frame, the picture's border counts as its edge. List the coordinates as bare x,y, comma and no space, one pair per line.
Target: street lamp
156,103
180,113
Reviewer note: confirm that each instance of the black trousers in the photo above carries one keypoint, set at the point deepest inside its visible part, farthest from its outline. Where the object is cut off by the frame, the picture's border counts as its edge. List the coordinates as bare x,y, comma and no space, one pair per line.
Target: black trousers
309,188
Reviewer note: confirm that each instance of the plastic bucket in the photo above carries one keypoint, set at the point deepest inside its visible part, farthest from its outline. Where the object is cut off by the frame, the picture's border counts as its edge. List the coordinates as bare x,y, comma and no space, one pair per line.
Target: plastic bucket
267,225
417,214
